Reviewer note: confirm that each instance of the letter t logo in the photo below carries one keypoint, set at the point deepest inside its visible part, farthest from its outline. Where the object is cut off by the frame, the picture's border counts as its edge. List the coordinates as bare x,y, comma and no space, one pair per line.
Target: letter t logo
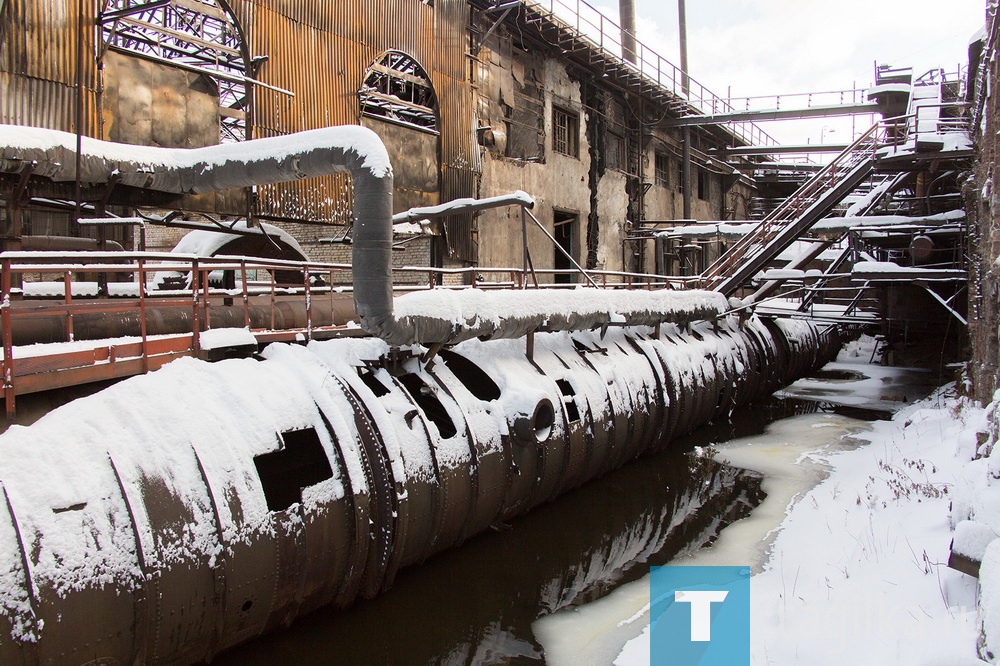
701,611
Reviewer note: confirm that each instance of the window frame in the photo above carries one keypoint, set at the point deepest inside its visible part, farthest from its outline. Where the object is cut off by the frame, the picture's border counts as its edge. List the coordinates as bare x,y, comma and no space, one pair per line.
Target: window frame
661,169
397,89
565,136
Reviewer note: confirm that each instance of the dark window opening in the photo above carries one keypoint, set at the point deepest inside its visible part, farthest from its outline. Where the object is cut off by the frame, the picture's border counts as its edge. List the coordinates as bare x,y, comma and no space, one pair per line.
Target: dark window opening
428,402
397,88
572,412
565,235
704,184
471,375
680,176
565,132
662,170
300,462
371,381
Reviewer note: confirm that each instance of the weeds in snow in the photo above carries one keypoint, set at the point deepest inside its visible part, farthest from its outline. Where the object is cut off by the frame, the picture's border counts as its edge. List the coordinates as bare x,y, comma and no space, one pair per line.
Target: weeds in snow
901,485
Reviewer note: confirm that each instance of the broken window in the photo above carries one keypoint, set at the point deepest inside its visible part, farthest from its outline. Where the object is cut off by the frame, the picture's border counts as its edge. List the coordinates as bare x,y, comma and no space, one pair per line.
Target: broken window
300,463
615,151
396,88
199,36
662,168
565,132
704,184
524,114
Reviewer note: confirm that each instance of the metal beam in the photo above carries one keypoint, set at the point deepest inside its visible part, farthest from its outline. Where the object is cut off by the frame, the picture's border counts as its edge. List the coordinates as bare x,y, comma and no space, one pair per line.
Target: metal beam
800,262
946,305
776,150
773,114
776,166
108,17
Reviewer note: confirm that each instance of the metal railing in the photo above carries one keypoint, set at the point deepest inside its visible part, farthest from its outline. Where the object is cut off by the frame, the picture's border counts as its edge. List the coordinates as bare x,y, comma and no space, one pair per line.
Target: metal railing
589,24
804,100
255,302
863,148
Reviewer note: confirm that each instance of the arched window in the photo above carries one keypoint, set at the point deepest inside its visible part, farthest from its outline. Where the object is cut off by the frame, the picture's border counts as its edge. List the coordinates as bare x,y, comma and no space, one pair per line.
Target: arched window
201,36
396,88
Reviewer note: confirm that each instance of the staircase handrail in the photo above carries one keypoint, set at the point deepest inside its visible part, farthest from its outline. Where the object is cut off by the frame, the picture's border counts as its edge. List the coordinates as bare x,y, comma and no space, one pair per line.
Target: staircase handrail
863,146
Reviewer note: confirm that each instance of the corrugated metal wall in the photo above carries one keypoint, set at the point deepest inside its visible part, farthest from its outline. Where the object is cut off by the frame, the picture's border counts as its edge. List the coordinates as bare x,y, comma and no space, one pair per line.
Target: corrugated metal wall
38,47
459,150
319,49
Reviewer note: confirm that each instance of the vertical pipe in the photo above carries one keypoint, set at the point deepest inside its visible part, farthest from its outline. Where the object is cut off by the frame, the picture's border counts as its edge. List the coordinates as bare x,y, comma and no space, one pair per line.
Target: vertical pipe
273,297
68,285
246,294
8,344
309,310
142,316
196,314
77,189
626,12
686,172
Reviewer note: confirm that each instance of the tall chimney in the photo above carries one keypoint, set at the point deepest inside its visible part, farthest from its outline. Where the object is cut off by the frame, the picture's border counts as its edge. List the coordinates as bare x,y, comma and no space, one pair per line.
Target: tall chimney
626,12
682,29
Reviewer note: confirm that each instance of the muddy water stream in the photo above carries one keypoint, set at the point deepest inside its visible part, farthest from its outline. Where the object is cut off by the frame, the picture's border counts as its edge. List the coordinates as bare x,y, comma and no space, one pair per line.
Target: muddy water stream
477,604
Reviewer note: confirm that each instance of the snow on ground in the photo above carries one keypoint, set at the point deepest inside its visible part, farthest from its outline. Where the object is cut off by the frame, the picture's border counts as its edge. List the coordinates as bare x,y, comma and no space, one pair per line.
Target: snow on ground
856,572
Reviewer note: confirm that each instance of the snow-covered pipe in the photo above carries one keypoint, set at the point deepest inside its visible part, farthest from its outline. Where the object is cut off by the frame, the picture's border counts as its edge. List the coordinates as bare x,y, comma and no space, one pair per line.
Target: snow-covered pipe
321,152
179,513
360,152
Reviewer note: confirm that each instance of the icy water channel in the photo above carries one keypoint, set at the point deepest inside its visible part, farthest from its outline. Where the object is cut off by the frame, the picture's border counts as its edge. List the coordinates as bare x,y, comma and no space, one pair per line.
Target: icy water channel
481,603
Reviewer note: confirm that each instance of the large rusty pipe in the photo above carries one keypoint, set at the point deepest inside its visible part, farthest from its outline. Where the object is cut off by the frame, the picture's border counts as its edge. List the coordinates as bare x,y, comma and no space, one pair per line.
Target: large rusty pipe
179,513
289,313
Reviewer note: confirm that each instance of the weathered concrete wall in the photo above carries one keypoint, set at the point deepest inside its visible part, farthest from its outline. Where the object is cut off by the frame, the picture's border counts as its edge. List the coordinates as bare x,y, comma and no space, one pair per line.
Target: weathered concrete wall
518,87
560,183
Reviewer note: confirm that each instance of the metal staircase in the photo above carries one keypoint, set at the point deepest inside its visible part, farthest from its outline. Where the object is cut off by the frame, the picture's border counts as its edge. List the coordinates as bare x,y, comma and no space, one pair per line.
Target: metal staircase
809,204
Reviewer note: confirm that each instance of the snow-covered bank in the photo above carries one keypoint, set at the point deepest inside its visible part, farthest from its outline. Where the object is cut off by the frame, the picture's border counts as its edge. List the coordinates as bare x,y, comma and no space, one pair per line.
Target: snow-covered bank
858,570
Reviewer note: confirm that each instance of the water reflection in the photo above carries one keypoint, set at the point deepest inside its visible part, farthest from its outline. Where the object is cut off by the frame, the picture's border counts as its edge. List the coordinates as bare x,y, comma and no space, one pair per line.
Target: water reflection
475,604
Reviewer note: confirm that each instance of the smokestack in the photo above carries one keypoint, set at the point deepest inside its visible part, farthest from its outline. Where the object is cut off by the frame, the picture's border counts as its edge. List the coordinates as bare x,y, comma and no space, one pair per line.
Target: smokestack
626,12
682,28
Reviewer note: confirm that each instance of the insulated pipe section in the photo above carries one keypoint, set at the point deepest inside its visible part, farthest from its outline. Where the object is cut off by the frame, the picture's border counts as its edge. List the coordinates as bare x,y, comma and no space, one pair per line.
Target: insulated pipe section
349,149
308,154
360,152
